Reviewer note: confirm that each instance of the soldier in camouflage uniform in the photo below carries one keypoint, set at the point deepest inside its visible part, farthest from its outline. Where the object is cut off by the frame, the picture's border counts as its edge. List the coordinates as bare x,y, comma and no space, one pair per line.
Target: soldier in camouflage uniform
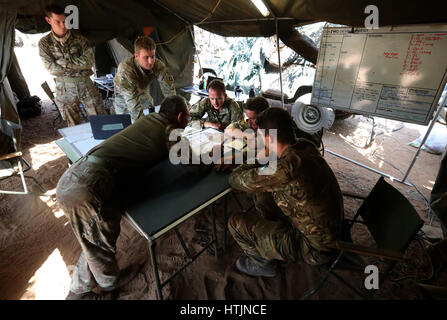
252,108
67,55
220,109
91,192
299,206
134,77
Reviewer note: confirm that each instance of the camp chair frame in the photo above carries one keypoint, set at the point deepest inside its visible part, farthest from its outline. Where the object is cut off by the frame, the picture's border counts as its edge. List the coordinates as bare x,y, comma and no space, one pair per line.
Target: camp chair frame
20,172
50,95
382,232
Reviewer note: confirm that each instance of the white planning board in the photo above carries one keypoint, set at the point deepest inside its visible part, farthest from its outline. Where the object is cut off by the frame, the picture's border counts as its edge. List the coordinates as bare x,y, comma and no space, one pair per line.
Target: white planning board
397,73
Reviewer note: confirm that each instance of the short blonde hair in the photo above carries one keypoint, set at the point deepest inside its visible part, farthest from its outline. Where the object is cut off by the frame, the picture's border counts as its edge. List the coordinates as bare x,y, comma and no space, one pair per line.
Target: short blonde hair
144,42
217,85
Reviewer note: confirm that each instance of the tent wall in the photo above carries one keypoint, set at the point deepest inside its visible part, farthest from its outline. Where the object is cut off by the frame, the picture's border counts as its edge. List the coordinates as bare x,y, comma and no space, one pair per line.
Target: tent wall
101,21
10,125
17,80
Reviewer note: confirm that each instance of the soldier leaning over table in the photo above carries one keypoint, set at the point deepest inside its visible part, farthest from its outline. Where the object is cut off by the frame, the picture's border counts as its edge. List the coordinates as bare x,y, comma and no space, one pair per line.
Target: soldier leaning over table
92,191
67,55
134,76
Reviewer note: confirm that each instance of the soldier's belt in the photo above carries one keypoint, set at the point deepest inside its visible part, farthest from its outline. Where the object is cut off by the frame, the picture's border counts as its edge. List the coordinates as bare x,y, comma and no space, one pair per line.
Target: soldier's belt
73,79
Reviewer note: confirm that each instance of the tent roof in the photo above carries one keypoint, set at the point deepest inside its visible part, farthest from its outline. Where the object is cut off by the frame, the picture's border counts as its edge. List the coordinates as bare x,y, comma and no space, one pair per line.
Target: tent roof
113,15
301,12
103,20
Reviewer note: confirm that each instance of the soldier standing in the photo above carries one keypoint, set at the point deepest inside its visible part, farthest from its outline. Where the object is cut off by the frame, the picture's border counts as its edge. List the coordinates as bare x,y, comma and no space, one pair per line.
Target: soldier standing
221,110
134,76
299,205
67,56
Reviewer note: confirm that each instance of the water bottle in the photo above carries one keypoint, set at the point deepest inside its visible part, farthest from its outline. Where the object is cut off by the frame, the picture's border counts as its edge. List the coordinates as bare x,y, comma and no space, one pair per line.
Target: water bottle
237,92
252,93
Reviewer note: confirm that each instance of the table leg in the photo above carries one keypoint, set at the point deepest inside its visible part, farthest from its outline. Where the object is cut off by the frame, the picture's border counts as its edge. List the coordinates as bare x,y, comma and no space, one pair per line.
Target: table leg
155,269
182,242
225,224
214,231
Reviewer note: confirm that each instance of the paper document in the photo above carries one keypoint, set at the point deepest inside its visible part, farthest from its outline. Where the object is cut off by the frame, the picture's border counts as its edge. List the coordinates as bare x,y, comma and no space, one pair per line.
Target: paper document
203,141
237,144
84,146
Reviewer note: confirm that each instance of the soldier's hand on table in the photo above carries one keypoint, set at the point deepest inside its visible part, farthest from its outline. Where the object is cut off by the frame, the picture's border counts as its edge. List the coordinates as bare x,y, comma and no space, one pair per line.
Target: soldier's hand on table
225,167
226,163
214,125
251,140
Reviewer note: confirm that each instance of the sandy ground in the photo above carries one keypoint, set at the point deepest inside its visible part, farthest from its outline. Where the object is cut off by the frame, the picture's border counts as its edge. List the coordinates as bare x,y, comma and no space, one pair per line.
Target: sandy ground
38,248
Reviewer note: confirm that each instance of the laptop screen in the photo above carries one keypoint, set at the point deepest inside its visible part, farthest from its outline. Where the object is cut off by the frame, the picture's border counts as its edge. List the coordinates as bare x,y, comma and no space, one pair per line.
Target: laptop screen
211,78
106,125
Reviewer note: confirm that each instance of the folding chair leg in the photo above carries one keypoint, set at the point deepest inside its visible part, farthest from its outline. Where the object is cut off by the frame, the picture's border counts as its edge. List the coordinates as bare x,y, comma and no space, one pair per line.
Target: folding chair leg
54,121
225,224
22,176
322,280
37,183
216,253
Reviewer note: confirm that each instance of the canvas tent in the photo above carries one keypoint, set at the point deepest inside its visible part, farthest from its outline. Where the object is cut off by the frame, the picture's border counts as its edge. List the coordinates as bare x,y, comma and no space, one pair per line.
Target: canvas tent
101,21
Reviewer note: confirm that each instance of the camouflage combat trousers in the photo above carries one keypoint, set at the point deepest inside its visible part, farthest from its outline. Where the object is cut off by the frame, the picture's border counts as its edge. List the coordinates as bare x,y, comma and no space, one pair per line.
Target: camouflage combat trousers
265,235
85,192
268,234
70,92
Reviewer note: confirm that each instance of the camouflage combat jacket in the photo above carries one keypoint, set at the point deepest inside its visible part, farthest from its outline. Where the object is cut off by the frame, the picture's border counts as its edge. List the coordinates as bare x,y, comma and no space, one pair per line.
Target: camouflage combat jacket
69,56
305,189
132,83
231,112
315,138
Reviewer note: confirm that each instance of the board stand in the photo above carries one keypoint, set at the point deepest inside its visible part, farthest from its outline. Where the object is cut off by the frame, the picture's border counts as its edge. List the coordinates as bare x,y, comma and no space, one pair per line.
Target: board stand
432,123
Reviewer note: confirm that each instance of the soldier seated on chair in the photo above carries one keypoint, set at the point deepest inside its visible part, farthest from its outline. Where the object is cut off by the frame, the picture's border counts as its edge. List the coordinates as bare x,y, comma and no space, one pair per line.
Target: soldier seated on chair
220,109
299,205
68,57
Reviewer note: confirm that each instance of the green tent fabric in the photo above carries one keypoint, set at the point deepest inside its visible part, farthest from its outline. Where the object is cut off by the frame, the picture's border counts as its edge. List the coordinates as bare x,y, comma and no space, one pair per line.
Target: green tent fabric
7,20
102,20
10,125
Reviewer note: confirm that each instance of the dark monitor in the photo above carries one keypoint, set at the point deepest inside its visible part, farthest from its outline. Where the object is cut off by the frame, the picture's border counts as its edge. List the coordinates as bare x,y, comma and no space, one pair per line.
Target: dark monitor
106,125
211,78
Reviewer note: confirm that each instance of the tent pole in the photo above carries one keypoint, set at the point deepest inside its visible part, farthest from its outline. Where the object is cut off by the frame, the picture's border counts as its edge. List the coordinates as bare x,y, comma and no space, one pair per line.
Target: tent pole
275,16
425,138
279,62
195,49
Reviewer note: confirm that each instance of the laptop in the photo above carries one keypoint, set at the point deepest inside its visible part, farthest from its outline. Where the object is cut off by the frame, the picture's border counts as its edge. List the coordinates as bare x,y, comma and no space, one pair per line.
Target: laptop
211,78
106,125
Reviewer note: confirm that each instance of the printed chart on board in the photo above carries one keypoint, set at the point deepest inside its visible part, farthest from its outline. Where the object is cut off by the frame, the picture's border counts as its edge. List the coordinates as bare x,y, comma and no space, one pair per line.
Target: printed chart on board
392,72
